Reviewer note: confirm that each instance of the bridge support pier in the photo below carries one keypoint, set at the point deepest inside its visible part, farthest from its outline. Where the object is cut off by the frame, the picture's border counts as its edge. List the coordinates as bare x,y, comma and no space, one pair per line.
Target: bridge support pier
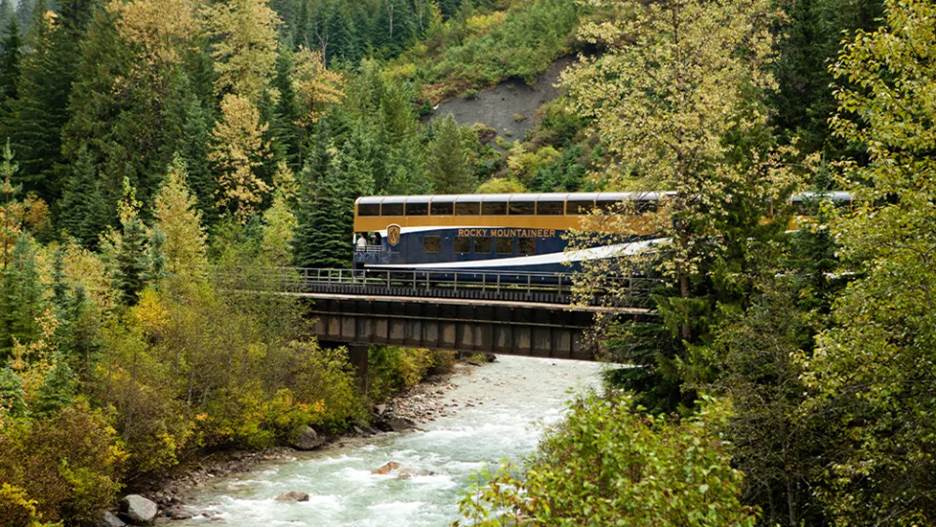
357,356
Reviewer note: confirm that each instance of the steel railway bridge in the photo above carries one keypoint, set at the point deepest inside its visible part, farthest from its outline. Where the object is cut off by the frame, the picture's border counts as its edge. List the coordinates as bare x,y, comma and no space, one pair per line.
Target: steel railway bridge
533,314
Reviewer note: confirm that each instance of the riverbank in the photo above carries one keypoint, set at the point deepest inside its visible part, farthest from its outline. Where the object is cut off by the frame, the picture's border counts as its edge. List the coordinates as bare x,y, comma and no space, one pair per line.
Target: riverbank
408,410
404,479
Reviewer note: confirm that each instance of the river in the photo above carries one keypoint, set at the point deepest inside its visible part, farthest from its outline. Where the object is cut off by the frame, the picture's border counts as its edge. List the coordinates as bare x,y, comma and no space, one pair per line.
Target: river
503,408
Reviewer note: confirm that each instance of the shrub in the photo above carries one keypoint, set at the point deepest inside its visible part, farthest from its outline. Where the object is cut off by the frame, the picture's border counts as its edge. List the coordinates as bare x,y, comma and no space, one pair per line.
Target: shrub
65,467
612,464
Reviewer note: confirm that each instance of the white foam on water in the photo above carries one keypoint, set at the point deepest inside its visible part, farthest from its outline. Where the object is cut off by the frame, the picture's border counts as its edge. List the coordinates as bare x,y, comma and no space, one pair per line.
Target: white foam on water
520,396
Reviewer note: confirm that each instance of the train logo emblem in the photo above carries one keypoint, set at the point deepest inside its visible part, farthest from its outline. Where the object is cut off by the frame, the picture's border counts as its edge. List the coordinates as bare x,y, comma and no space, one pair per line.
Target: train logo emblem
393,235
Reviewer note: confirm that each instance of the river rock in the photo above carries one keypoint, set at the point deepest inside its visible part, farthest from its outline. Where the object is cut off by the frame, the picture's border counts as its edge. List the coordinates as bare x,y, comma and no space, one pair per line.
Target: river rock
137,509
111,520
400,424
309,439
380,409
386,468
293,496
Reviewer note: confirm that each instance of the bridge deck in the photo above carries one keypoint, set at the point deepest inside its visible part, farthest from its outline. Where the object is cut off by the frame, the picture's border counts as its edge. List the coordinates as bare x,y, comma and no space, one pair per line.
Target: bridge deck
473,302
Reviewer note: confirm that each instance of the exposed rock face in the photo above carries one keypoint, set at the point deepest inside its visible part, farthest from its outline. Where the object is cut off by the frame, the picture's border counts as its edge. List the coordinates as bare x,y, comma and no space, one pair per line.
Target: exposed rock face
309,439
111,520
386,468
137,509
293,496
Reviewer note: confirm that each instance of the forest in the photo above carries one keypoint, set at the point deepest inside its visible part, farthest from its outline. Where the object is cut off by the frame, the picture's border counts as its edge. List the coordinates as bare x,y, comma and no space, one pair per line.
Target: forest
159,154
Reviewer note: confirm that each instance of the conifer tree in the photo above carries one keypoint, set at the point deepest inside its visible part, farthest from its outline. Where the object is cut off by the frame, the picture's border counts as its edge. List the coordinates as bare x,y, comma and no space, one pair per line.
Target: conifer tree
84,210
12,397
10,57
448,162
41,110
279,222
58,389
21,297
7,12
326,207
133,255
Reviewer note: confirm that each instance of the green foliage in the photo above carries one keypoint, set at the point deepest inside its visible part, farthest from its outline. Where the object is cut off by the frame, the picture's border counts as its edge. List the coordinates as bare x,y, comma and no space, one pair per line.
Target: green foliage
21,296
449,160
58,388
867,371
394,369
482,50
810,39
12,397
67,466
611,464
10,58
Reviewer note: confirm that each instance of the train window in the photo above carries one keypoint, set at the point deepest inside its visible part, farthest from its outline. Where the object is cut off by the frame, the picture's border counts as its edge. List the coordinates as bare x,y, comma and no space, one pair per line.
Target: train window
527,246
482,245
467,208
504,246
442,208
392,209
417,209
368,209
432,244
579,207
522,208
462,245
494,208
550,208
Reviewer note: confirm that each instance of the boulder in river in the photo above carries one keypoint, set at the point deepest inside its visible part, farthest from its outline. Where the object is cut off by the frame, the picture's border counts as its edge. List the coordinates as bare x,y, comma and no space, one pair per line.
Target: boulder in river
293,496
309,439
386,468
137,509
111,520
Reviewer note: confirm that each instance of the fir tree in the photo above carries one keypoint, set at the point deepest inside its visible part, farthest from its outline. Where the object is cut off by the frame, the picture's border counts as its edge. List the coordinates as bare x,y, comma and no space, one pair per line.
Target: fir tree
84,210
326,208
448,162
41,111
58,389
10,57
133,255
12,398
21,297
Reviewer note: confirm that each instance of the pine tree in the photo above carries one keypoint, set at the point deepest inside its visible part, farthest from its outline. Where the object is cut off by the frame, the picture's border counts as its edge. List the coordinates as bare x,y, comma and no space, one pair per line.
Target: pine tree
12,397
41,111
7,12
133,255
284,126
326,208
25,10
448,162
21,297
10,57
84,210
58,389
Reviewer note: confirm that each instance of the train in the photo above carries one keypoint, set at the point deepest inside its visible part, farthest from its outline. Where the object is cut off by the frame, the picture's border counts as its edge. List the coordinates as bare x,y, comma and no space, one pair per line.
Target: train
508,233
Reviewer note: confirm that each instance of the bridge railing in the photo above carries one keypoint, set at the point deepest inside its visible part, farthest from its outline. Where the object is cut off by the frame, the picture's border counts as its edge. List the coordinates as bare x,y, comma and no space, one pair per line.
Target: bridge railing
444,283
